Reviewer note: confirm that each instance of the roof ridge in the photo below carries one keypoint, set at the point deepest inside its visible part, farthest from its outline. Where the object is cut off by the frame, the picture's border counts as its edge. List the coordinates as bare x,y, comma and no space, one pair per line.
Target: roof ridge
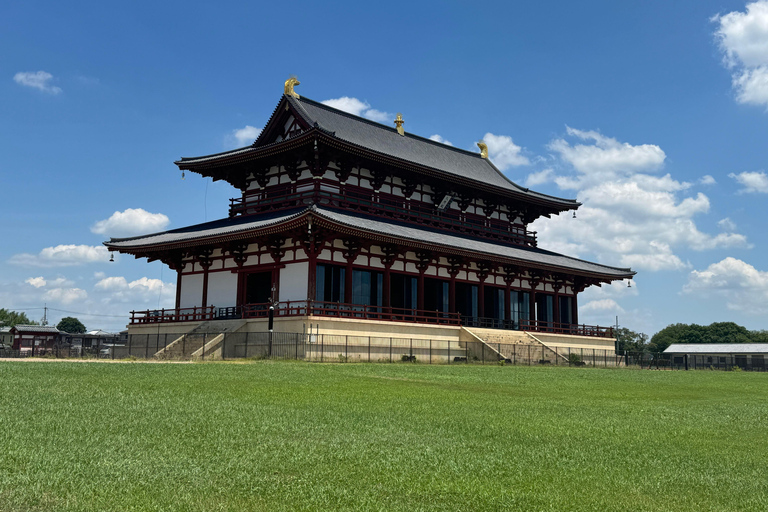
391,128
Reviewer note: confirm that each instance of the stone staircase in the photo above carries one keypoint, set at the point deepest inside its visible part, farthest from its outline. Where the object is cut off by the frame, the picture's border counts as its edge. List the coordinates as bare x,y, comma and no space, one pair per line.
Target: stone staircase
204,341
511,346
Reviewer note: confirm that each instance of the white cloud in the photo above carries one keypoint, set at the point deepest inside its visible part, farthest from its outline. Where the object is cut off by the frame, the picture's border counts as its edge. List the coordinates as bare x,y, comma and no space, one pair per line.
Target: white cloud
538,178
246,136
601,306
707,180
65,295
606,158
359,108
743,287
727,224
62,256
37,282
39,80
631,218
438,138
131,222
753,182
503,152
743,40
143,291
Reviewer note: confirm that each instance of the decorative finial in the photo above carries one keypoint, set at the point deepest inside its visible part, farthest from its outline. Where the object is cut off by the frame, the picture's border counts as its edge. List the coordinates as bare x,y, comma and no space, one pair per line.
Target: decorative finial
289,85
483,149
399,123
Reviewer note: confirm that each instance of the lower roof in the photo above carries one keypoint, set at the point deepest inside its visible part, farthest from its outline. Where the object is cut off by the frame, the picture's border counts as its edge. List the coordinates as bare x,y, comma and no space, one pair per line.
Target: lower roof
717,348
241,228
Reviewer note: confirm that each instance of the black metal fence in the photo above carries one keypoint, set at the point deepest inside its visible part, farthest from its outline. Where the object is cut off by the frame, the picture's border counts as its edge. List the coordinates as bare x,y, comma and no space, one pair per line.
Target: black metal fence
348,348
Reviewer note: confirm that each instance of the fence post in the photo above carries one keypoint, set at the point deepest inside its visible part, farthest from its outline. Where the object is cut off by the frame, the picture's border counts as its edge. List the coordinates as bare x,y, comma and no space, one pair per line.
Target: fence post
346,348
466,352
529,355
430,350
449,351
322,346
390,349
183,345
410,351
130,341
482,351
296,355
369,349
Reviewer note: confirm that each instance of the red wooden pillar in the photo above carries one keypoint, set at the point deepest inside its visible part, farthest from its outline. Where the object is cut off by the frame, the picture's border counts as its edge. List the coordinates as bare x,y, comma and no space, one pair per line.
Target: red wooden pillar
508,301
178,288
556,307
387,281
205,285
575,312
452,293
348,281
420,291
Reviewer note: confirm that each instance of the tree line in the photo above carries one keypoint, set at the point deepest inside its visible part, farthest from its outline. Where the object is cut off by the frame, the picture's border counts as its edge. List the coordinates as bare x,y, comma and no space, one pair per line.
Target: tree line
68,324
718,332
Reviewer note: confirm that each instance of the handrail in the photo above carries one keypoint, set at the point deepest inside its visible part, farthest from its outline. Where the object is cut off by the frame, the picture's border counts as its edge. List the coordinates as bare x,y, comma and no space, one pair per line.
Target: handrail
363,312
417,212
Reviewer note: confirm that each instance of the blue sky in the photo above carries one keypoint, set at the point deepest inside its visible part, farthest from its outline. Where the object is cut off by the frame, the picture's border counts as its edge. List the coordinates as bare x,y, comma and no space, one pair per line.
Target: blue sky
653,114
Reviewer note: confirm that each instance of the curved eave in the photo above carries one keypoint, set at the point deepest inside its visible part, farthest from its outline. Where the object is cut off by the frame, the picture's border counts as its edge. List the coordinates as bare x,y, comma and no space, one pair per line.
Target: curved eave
207,165
379,236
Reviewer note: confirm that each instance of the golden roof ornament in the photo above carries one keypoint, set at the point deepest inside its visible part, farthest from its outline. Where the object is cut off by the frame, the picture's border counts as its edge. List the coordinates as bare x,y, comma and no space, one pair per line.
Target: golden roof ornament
289,85
483,149
399,123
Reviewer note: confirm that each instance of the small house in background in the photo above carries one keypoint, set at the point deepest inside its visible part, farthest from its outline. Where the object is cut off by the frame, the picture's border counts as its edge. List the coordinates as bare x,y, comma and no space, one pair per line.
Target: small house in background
6,338
90,339
34,338
747,356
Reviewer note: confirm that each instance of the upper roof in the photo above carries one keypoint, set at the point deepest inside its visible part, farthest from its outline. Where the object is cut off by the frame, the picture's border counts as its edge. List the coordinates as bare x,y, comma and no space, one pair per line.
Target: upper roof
717,348
242,227
385,141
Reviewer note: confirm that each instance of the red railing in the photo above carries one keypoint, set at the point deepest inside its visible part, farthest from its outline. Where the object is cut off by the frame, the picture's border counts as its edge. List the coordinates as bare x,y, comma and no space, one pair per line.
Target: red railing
594,331
161,316
417,212
362,312
341,310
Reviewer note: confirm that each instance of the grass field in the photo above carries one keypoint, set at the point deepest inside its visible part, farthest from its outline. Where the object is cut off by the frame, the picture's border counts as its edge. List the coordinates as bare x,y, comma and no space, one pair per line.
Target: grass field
291,436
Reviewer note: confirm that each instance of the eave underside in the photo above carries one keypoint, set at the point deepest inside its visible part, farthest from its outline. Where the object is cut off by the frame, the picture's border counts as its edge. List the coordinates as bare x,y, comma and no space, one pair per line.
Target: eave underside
172,246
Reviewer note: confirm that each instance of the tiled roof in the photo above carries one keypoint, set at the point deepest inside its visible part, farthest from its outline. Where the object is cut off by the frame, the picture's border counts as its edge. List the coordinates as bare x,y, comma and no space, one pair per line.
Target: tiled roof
412,148
211,229
242,225
36,328
523,253
384,140
717,348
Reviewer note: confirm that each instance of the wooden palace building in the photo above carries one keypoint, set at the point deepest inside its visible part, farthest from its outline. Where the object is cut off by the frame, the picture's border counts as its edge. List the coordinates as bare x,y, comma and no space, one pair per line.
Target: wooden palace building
341,219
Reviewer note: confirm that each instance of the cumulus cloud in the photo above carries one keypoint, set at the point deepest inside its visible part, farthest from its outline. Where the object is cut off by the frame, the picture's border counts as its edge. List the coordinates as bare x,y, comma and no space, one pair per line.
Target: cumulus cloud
438,138
604,158
131,222
631,218
245,136
743,40
143,290
601,306
62,256
727,224
503,152
39,80
752,182
743,287
539,178
37,282
359,108
707,180
65,295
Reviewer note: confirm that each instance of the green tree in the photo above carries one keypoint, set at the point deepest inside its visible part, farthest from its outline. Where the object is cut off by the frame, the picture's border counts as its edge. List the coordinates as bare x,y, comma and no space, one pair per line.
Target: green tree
717,332
631,341
71,325
10,318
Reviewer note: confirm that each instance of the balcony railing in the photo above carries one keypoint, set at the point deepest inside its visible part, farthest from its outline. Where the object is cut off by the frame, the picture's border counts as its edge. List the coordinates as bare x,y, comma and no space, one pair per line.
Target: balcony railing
362,312
416,213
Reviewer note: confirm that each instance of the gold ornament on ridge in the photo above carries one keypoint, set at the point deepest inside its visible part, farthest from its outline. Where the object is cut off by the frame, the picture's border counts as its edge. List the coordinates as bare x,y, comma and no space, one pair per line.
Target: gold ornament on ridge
289,85
483,149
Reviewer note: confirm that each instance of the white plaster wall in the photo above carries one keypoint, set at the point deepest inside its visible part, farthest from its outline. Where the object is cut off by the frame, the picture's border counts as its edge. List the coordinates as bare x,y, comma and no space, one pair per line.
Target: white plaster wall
293,281
222,289
191,291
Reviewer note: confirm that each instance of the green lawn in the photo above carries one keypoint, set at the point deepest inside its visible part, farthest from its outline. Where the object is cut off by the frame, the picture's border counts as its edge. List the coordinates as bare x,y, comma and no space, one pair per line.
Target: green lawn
289,435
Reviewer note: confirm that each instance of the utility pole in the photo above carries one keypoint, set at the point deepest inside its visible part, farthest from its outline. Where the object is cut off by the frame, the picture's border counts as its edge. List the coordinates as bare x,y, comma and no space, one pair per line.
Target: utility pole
44,321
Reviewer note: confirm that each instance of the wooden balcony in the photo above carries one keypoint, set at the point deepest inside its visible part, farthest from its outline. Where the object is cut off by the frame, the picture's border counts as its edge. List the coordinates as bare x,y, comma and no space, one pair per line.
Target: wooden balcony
360,312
